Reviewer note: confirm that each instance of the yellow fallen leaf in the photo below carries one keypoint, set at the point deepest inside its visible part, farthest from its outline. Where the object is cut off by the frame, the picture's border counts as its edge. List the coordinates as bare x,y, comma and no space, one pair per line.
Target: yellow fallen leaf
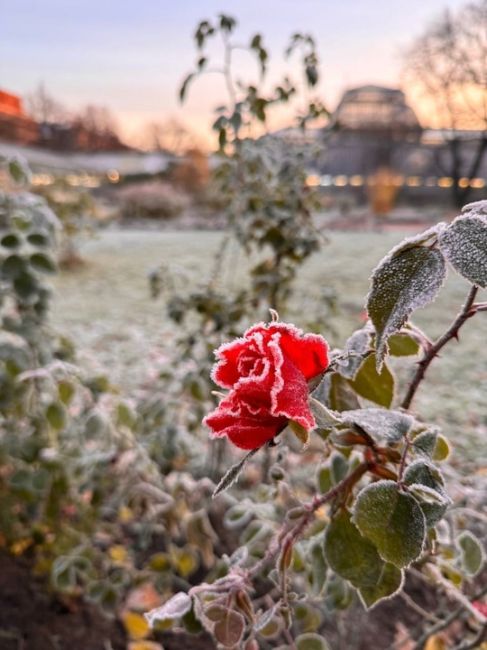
435,642
136,625
118,554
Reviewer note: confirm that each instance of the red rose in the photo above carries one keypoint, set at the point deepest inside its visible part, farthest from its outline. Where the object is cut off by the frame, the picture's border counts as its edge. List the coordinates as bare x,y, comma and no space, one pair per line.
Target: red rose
267,373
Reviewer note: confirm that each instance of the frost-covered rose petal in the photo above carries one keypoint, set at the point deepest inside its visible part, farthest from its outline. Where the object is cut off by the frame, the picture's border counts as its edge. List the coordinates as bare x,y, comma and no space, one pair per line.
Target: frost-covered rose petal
267,371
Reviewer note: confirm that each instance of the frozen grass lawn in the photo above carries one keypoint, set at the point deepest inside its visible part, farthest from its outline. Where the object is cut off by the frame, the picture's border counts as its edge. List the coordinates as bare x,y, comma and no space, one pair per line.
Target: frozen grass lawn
106,309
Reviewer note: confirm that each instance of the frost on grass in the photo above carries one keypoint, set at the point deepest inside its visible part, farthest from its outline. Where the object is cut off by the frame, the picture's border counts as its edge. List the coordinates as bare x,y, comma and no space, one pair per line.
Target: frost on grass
409,277
464,244
392,520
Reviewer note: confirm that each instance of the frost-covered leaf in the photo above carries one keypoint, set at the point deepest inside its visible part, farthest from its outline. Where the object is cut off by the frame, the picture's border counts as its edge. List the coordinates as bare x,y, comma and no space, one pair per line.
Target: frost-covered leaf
356,559
477,207
229,629
421,474
269,624
389,583
174,608
392,520
433,504
338,467
299,431
311,641
408,278
19,170
432,444
340,395
383,426
375,386
472,553
324,417
316,566
464,244
356,348
323,478
233,473
420,471
403,345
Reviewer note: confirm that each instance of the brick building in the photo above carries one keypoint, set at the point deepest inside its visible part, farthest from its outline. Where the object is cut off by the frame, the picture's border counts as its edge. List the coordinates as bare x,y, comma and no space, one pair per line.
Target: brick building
15,125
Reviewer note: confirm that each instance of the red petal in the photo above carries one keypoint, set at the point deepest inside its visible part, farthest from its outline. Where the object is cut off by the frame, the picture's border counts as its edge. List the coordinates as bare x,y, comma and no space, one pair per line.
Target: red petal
225,372
244,430
290,395
308,352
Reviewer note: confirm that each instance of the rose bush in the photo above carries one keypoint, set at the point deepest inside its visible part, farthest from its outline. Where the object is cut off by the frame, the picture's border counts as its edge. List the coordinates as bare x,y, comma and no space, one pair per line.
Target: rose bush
267,372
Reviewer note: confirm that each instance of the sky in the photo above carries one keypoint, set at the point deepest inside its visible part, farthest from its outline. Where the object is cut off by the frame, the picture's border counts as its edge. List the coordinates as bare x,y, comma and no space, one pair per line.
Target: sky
131,55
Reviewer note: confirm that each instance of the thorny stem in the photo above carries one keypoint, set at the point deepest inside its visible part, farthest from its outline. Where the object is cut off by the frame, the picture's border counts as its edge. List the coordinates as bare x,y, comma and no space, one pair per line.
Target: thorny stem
468,310
293,533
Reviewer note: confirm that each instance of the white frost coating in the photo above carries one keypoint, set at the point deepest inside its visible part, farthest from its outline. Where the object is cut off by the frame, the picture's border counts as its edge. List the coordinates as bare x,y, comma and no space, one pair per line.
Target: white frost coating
382,598
380,424
464,244
173,608
479,207
408,278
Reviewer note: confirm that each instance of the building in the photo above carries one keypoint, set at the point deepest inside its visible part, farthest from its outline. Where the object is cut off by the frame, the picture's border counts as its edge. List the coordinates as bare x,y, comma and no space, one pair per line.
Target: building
18,128
15,125
373,131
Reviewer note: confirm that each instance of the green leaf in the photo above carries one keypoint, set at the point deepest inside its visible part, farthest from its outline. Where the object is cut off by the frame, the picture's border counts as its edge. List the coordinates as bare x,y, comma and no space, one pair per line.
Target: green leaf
184,86
66,391
375,386
43,263
338,467
432,498
19,170
10,241
341,396
56,415
392,520
388,584
472,553
356,559
403,345
464,244
408,278
316,567
311,641
323,478
383,426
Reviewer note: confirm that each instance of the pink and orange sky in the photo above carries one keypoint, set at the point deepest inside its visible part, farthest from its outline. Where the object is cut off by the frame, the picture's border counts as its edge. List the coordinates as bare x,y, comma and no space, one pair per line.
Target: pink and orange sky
131,56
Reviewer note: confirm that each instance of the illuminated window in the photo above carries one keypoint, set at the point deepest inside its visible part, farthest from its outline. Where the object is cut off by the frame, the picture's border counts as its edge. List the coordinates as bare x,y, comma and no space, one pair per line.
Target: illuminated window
413,181
326,180
445,181
312,180
340,181
356,181
463,182
477,183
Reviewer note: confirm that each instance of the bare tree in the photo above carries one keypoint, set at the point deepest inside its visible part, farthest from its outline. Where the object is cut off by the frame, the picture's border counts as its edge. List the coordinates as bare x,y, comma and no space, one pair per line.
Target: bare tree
171,135
448,62
44,108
